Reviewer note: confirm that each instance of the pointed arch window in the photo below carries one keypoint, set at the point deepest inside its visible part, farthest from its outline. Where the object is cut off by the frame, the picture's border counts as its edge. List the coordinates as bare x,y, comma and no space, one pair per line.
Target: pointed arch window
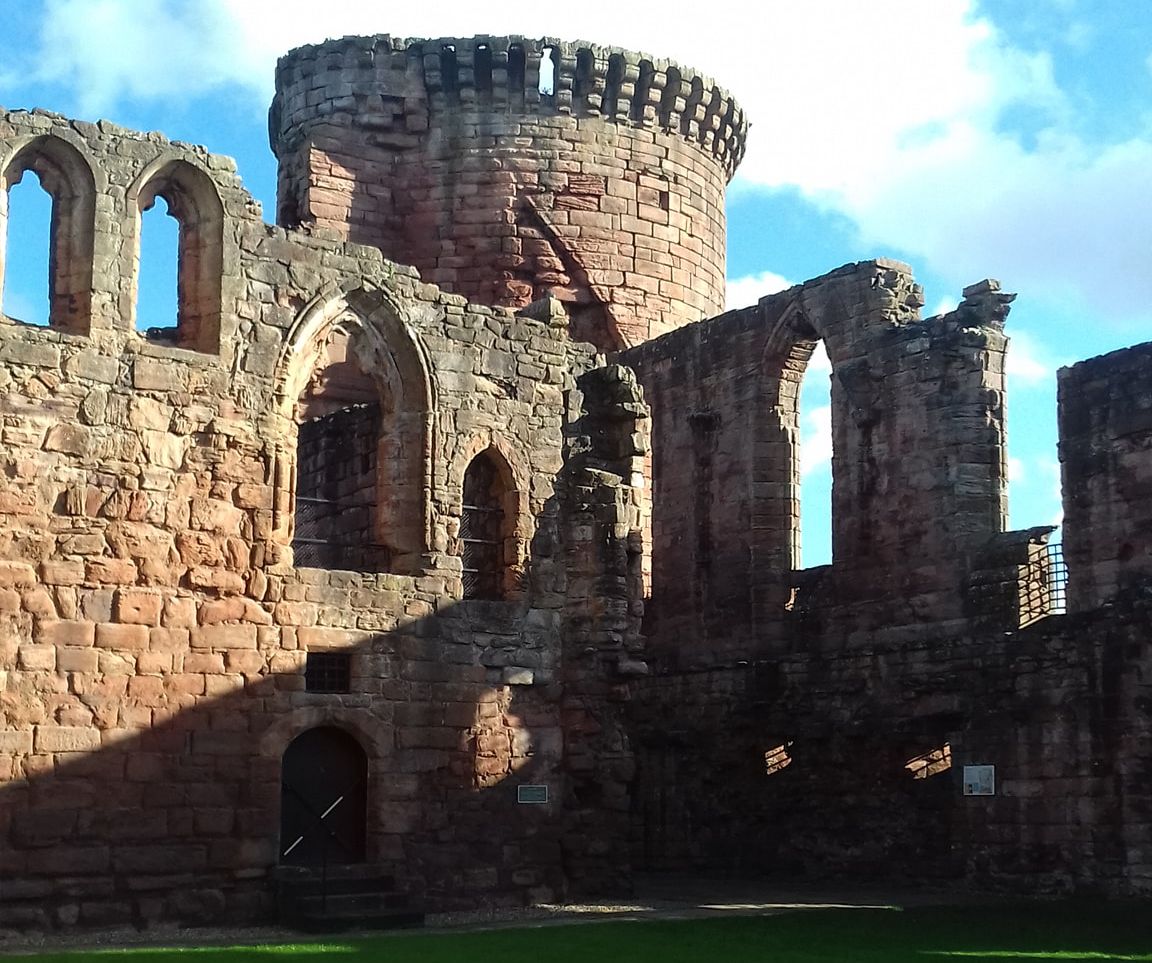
64,174
364,419
483,529
192,199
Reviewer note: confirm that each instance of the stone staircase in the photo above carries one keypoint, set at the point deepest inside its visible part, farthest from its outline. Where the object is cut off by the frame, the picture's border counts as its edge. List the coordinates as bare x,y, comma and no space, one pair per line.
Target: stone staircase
346,897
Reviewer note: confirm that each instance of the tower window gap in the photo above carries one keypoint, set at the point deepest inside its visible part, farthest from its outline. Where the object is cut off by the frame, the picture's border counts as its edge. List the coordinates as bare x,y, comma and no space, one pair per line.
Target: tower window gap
548,71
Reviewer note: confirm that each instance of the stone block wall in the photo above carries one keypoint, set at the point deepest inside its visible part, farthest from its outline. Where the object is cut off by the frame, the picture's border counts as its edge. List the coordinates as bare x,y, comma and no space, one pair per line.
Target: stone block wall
728,713
918,465
816,776
154,626
1106,469
606,188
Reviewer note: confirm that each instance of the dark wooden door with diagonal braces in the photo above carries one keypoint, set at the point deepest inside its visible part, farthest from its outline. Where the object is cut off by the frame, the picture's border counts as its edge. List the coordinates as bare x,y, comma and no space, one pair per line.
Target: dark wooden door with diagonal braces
323,799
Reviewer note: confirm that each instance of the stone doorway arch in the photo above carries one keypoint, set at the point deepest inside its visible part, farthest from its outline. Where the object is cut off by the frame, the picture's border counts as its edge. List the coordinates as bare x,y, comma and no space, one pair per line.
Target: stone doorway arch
323,799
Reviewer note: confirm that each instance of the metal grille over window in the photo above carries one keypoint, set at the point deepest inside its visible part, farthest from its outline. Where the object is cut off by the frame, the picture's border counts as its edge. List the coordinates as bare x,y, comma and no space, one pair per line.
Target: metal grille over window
312,546
482,530
328,672
1045,590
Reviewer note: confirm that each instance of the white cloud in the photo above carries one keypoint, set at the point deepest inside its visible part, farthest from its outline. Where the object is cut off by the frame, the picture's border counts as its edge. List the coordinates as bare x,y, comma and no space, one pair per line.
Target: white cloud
746,291
891,115
816,414
816,439
1026,363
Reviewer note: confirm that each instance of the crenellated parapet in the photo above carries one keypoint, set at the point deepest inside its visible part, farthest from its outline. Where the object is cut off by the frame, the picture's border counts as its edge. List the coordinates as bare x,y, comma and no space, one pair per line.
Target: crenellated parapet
395,85
508,169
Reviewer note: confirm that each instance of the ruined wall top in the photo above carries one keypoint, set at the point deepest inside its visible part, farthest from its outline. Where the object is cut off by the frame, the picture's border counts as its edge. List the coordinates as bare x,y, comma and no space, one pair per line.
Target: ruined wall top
396,85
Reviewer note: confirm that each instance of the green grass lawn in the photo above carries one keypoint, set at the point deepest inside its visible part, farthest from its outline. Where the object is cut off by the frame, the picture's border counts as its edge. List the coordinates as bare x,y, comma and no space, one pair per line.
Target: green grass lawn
969,934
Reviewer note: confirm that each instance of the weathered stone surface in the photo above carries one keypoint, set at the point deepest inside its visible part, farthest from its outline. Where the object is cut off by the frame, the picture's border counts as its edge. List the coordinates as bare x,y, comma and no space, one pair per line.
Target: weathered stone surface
337,498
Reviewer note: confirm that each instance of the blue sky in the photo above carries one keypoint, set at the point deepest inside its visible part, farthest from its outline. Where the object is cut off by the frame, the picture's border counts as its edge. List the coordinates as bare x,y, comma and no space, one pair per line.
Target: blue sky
970,138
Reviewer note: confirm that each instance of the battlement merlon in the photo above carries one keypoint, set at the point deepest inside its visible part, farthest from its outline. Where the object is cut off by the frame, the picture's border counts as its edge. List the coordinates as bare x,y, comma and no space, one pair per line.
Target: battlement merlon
395,86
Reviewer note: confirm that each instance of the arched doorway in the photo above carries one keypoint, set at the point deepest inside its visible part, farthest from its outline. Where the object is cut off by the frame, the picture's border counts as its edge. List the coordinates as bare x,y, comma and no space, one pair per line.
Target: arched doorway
323,799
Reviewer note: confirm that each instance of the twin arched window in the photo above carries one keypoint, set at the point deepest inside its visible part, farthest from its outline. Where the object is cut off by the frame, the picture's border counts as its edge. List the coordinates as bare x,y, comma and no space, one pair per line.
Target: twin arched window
191,198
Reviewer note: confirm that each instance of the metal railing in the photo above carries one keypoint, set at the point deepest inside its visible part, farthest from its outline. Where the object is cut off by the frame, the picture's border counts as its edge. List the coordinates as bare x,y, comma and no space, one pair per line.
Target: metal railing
1045,588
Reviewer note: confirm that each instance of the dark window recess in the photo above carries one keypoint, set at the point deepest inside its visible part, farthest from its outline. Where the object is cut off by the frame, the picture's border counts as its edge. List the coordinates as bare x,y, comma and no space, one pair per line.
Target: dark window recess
336,492
328,672
482,531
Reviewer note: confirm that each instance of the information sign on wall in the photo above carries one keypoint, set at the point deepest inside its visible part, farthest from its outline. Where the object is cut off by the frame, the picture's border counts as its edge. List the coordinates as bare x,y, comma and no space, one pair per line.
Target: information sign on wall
979,780
531,794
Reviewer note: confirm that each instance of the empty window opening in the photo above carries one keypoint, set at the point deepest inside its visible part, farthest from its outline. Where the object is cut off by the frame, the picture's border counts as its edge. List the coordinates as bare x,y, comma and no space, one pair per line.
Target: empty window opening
482,530
777,758
814,525
482,68
47,221
27,252
695,95
337,460
157,291
643,87
930,763
449,73
612,84
516,68
548,58
585,67
672,88
191,198
328,672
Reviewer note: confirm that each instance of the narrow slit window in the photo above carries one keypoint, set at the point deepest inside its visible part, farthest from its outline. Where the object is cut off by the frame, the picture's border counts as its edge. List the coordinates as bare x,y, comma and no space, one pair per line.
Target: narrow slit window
482,530
516,69
482,69
585,68
548,71
27,275
612,85
449,72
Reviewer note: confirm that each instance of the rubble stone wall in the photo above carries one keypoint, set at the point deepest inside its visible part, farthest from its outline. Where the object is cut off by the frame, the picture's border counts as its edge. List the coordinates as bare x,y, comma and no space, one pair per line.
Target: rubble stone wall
918,471
153,625
1105,442
606,188
802,766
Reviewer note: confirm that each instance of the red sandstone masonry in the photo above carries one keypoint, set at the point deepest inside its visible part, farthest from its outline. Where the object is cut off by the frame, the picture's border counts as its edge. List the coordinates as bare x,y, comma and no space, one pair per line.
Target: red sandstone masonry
501,192
154,630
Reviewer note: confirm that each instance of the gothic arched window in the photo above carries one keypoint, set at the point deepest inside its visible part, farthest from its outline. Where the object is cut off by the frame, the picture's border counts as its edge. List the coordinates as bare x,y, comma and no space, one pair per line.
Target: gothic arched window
483,529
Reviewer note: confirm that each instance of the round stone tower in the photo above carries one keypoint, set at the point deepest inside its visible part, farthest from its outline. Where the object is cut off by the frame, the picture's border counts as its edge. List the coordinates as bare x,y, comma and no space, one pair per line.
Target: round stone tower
503,168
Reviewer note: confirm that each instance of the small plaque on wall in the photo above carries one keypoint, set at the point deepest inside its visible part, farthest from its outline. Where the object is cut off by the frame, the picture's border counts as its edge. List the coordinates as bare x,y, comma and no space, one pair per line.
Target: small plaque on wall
531,795
979,780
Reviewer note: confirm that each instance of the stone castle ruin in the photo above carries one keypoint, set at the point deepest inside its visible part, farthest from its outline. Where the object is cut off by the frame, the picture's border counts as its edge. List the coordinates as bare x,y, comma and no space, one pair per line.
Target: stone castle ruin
449,539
